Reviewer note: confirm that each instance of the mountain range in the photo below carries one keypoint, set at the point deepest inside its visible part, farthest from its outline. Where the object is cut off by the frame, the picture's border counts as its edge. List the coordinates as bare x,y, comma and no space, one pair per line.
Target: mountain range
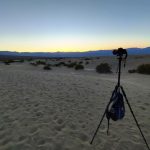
131,51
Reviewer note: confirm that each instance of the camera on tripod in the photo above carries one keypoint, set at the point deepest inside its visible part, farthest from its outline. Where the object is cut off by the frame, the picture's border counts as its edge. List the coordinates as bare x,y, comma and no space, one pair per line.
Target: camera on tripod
115,108
120,52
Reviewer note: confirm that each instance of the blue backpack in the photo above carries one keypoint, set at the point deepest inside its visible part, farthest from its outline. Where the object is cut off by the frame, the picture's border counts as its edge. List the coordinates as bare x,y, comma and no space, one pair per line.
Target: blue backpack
115,109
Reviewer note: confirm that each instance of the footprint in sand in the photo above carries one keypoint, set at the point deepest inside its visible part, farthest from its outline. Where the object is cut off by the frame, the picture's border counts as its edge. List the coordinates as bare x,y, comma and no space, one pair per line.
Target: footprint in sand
146,104
59,128
83,137
39,114
72,126
3,134
89,114
58,146
18,146
33,130
80,121
6,140
55,117
41,142
36,105
60,121
22,138
2,128
142,107
83,126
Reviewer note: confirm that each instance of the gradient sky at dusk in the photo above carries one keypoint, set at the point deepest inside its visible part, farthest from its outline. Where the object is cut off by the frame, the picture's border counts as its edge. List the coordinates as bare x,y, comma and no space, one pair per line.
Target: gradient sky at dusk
73,25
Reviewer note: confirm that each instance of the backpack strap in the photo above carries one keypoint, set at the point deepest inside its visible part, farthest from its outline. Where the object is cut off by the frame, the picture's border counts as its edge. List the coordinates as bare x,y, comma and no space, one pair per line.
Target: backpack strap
108,122
107,109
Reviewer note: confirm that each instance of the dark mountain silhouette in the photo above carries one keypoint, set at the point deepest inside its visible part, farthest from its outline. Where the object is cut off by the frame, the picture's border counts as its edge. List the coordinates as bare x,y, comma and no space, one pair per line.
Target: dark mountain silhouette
131,51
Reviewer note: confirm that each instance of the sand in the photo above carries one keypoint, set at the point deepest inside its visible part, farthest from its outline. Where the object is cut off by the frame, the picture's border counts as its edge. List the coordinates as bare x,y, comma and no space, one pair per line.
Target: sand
60,109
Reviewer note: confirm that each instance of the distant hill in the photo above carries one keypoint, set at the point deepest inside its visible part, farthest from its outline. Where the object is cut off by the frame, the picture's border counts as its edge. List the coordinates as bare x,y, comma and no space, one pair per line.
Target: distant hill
131,51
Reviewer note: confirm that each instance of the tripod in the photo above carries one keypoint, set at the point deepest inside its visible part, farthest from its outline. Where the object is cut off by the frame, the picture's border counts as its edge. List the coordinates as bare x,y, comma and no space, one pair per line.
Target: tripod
120,52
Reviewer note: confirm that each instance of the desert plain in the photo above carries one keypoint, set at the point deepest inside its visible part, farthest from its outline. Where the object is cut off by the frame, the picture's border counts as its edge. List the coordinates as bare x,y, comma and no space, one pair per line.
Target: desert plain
60,109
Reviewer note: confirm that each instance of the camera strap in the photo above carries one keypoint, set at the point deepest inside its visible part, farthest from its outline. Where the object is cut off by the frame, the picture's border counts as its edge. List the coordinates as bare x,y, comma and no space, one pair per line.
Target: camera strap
124,61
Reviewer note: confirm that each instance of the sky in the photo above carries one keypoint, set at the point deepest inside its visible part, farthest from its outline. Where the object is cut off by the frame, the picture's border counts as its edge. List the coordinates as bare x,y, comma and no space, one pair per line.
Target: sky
73,25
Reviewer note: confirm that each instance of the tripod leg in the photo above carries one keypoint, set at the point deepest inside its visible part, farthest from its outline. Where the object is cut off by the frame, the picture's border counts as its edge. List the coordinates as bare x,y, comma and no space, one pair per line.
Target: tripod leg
135,118
98,127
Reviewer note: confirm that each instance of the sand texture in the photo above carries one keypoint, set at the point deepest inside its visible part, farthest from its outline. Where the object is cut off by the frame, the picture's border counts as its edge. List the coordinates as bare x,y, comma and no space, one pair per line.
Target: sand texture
61,108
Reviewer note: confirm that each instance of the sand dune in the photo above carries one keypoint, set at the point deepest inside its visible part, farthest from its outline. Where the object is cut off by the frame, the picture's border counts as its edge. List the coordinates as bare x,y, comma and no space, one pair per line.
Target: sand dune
60,109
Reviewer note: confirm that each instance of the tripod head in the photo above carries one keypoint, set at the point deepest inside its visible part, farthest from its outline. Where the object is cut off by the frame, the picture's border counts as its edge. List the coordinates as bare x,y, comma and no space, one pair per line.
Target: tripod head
121,53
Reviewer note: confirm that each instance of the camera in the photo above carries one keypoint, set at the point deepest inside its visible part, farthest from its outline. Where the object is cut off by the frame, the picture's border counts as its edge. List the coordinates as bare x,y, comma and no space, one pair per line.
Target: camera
120,52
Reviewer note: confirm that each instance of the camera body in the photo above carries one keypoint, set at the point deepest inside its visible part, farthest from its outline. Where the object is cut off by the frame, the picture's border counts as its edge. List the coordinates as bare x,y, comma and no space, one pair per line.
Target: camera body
120,52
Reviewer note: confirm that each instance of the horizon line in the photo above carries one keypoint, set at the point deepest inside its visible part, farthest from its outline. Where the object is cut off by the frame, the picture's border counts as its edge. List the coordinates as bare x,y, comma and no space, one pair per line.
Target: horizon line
69,51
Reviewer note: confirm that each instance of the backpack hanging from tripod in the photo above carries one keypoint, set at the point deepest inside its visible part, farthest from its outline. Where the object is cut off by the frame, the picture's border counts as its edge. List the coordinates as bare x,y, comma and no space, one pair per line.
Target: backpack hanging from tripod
115,109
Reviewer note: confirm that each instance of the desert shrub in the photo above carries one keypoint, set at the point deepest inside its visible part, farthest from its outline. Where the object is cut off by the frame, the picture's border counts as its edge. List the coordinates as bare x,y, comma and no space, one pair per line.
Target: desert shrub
103,68
40,62
57,65
87,59
7,62
60,64
33,64
79,67
47,67
65,64
132,71
144,69
21,60
86,62
80,62
29,59
58,59
71,65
